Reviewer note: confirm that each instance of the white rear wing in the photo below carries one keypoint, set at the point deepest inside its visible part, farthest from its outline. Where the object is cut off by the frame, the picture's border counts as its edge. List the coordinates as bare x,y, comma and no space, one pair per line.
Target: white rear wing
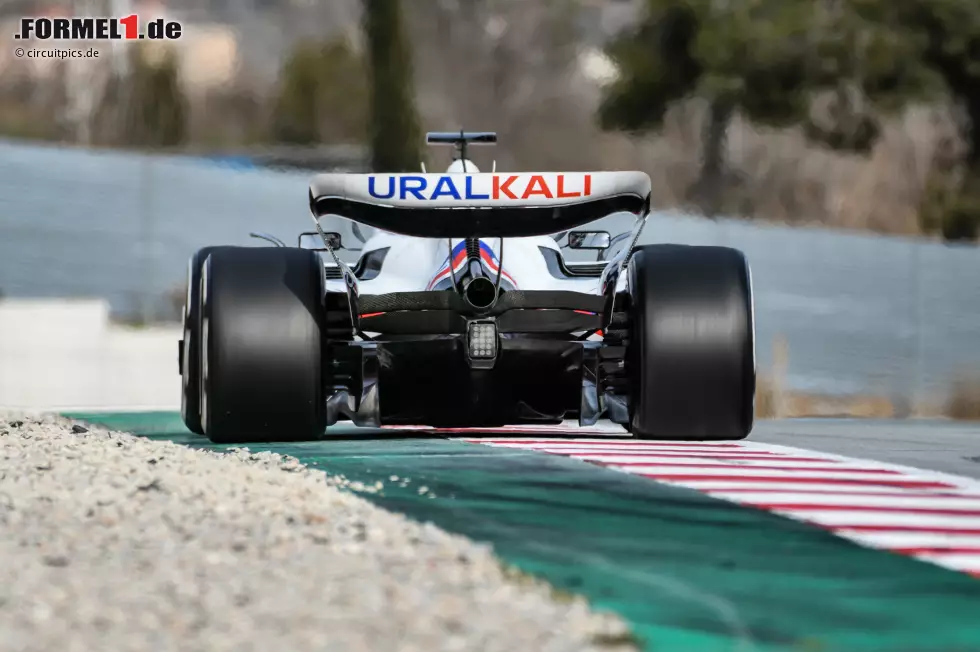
481,204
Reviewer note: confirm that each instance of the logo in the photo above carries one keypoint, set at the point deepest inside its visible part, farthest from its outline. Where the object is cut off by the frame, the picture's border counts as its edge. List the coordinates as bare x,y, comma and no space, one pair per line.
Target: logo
128,28
476,188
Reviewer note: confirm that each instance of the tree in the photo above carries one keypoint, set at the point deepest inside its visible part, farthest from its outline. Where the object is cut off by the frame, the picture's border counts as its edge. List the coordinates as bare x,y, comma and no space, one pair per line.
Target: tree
767,59
951,31
296,116
155,106
322,96
394,125
507,66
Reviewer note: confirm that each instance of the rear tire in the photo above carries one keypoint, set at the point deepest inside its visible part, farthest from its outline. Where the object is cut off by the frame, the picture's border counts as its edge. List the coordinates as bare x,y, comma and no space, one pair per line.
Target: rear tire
262,326
190,394
691,351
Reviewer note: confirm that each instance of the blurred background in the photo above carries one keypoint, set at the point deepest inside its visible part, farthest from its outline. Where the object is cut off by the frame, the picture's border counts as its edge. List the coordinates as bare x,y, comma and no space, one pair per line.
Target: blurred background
836,142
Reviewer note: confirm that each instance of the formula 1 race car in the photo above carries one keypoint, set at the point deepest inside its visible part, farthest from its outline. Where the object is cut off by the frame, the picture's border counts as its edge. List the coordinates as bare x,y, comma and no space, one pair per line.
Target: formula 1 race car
462,311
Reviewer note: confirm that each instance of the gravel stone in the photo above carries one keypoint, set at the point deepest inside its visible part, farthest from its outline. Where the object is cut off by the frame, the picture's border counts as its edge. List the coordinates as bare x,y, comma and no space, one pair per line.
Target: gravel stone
115,542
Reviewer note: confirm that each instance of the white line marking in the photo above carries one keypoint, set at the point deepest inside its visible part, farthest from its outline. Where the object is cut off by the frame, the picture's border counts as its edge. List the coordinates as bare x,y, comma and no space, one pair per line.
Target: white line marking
962,502
666,454
869,475
637,451
773,462
912,539
962,562
552,446
753,484
873,503
955,480
844,518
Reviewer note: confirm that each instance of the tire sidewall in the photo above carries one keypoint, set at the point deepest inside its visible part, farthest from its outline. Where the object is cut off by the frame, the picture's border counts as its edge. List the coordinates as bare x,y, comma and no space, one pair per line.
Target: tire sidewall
219,399
653,369
636,352
191,377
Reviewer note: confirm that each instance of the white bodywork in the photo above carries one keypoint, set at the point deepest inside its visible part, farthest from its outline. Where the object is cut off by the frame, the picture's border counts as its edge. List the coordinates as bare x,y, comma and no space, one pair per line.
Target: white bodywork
412,263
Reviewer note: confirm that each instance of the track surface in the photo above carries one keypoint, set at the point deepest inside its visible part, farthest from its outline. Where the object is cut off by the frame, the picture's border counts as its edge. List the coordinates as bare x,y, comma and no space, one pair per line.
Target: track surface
943,446
689,571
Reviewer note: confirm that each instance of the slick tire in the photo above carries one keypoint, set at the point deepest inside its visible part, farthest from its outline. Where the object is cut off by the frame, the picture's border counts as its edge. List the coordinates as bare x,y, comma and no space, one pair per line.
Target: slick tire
190,371
262,326
690,355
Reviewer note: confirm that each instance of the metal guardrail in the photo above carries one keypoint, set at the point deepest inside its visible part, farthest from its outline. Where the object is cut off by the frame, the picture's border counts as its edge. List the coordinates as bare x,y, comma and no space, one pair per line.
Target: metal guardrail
353,158
860,312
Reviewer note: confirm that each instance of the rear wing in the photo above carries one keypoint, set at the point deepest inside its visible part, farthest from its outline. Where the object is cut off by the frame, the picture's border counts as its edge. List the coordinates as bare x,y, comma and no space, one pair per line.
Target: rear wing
479,205
461,138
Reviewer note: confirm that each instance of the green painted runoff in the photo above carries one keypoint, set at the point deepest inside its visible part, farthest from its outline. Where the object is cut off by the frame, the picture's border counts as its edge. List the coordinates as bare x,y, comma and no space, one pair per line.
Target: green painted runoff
687,571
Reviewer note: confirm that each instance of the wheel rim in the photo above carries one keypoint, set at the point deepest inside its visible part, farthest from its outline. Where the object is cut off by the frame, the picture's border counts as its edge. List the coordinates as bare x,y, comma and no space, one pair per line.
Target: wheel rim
204,350
204,372
185,375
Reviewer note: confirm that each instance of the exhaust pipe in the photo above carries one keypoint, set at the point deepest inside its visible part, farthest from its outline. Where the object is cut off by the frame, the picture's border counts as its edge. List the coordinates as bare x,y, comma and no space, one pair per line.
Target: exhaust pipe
481,293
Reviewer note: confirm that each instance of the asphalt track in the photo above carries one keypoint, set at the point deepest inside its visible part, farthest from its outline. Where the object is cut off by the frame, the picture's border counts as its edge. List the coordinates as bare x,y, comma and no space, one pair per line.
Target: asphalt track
945,446
660,533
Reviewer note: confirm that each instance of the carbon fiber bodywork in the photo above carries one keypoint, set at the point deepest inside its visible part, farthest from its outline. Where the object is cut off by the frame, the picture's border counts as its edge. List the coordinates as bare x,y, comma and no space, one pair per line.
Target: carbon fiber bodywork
410,364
